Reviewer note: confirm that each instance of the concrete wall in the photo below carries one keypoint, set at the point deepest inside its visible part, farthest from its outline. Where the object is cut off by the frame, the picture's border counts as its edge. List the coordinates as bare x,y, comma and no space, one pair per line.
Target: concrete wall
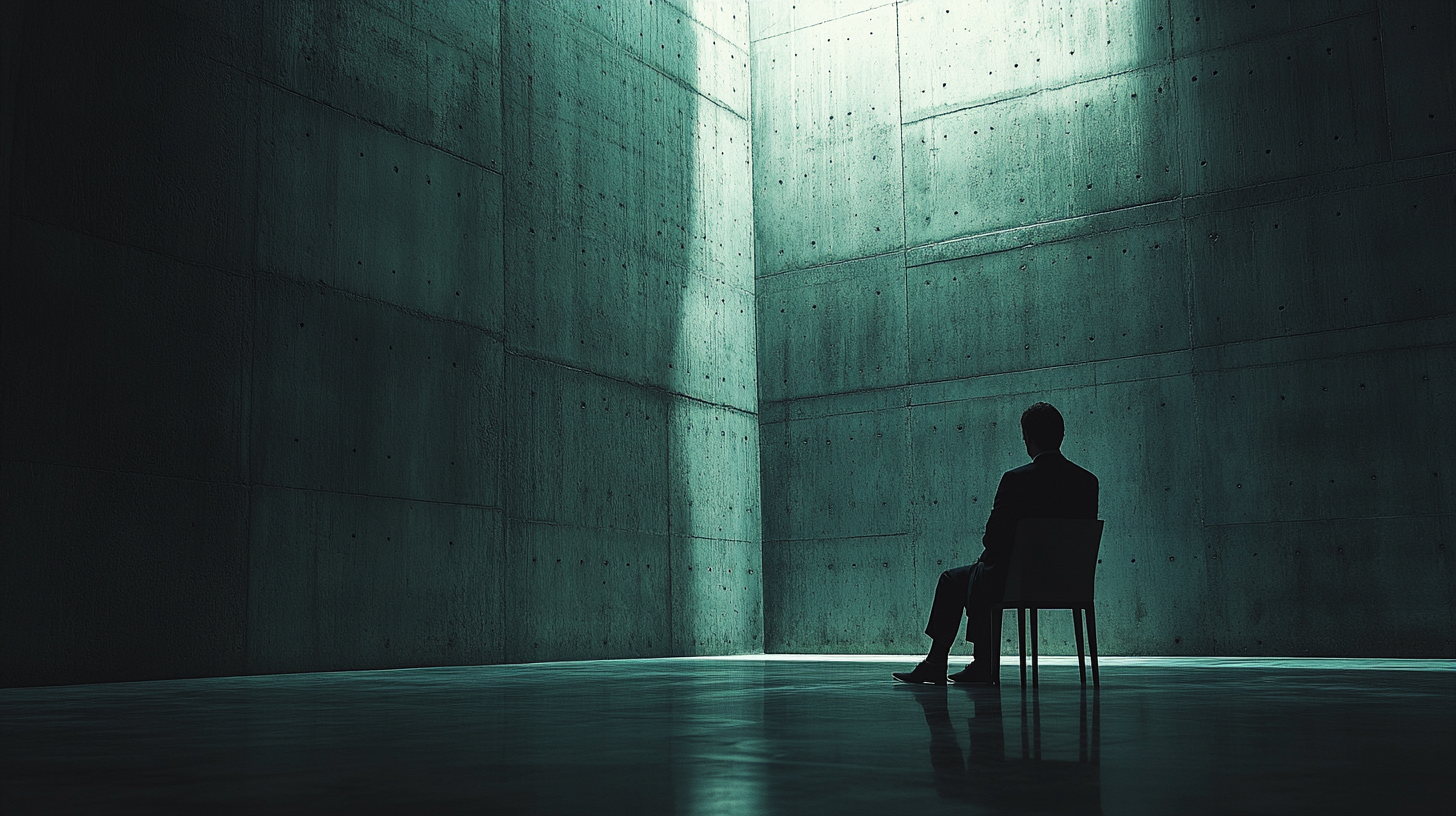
1218,236
633,522
276,400
346,335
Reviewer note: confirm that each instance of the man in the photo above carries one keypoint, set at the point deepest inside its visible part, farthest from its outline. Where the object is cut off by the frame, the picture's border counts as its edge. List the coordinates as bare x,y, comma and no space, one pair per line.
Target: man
1049,487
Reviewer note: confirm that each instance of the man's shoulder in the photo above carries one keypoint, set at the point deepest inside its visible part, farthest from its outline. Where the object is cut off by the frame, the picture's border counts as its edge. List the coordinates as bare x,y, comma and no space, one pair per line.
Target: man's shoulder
1080,471
1048,464
1020,472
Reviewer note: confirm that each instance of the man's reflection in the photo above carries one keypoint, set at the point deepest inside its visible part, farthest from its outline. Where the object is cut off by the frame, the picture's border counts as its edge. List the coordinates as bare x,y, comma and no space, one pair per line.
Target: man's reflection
989,775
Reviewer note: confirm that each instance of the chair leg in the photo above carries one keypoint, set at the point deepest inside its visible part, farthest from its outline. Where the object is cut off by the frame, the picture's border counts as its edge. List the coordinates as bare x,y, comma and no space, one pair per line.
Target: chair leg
1035,680
1025,729
1083,754
1081,660
996,623
1035,715
1092,644
1021,642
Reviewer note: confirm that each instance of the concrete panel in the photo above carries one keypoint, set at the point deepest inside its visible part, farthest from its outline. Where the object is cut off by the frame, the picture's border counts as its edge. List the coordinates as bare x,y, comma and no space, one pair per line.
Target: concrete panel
121,359
878,399
1365,587
358,59
770,18
1199,25
666,37
826,172
713,344
648,324
132,137
1379,337
360,582
1419,39
472,27
1136,436
713,472
1112,295
717,596
109,576
1349,437
1352,258
834,596
225,32
967,54
727,18
374,213
585,450
1140,437
1046,232
1309,102
960,450
612,200
355,396
1057,378
579,593
720,222
832,329
836,476
1061,153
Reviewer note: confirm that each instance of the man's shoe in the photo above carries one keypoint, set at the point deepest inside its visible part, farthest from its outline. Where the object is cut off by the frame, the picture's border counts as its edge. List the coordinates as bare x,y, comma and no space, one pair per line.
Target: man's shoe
976,674
924,673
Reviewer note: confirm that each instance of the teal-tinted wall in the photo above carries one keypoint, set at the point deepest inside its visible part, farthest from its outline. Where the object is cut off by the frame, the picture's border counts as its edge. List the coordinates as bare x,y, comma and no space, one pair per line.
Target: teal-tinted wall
1218,236
348,335
366,334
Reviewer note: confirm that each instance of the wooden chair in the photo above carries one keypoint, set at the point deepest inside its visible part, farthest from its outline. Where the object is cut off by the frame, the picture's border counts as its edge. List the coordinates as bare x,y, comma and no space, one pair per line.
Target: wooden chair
1052,567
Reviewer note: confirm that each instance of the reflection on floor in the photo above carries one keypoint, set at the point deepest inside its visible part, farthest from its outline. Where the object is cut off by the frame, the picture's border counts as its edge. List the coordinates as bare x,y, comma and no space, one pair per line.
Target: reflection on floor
745,735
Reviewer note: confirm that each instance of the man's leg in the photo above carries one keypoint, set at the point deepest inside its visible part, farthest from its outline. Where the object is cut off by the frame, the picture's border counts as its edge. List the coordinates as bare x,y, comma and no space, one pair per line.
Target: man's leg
983,610
946,610
985,648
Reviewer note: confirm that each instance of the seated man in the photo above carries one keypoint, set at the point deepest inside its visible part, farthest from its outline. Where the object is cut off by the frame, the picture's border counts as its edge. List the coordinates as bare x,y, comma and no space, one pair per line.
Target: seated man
1049,487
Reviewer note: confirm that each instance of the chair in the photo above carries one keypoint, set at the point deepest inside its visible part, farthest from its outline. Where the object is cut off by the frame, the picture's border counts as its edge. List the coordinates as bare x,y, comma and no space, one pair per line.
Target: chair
1052,567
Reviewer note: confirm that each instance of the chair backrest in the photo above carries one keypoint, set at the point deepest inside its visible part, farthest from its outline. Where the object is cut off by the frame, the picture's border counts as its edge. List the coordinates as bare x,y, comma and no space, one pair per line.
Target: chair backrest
1053,563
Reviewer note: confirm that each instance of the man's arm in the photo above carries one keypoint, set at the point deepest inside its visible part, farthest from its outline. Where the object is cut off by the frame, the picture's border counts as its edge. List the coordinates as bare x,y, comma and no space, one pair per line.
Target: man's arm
1001,526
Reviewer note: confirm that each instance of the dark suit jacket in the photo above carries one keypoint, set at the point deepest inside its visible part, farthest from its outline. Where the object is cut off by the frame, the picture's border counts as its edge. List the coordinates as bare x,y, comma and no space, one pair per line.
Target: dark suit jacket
1048,487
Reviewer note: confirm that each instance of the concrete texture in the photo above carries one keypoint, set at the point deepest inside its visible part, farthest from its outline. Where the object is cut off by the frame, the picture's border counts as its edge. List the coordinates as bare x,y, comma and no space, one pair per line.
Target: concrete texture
330,327
972,171
839,327
1217,236
344,581
659,314
1298,103
122,576
826,143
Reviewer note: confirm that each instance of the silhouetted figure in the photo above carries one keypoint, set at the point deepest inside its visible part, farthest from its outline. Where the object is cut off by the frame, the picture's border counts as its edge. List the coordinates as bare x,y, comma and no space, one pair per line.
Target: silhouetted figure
1049,487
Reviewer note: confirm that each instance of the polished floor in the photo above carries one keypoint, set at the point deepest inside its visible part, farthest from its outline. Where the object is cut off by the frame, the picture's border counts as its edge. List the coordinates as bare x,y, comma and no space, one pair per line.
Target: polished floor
773,734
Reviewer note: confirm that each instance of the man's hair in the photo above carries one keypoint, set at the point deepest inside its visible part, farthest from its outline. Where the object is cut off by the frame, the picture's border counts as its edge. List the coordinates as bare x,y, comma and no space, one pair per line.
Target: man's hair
1042,424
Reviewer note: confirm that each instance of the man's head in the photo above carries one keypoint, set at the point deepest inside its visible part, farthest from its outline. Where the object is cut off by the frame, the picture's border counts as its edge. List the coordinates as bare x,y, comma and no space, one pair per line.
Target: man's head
1042,428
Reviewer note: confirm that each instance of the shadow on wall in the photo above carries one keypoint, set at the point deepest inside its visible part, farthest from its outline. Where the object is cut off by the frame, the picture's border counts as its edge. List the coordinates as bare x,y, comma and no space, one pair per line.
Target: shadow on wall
632,511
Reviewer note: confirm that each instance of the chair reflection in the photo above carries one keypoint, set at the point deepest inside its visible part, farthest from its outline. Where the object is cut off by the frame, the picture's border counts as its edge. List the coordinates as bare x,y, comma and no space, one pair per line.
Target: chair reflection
990,774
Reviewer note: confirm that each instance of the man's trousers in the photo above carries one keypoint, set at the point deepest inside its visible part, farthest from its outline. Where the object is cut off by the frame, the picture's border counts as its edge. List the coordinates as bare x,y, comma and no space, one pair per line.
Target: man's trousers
975,590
